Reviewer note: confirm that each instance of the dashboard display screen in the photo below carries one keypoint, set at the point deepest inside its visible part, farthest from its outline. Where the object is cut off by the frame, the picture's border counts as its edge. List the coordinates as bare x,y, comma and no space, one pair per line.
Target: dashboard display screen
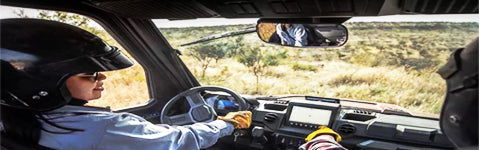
310,115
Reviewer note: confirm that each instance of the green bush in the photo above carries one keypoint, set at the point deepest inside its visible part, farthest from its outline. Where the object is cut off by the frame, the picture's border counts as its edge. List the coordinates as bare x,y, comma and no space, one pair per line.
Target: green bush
303,67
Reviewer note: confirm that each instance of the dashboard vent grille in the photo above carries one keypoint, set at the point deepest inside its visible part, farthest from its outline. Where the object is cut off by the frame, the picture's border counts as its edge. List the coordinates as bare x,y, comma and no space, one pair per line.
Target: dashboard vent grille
281,102
362,112
270,117
359,115
346,129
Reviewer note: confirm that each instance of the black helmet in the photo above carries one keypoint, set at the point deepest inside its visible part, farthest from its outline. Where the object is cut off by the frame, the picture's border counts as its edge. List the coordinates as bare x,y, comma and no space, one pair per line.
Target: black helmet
37,56
459,117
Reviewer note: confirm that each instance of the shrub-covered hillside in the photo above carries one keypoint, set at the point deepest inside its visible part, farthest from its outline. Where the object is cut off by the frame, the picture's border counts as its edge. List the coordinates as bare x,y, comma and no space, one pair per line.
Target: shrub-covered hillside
385,62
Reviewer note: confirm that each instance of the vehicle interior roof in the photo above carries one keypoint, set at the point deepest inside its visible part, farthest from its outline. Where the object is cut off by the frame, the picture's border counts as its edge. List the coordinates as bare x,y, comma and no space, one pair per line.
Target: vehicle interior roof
190,9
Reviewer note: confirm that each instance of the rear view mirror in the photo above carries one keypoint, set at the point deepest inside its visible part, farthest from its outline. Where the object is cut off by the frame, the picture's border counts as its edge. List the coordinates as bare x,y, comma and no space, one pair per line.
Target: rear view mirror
303,35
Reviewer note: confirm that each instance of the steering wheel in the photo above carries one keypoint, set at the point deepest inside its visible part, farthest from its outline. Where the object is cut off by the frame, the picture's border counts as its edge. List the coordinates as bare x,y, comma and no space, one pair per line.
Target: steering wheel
199,110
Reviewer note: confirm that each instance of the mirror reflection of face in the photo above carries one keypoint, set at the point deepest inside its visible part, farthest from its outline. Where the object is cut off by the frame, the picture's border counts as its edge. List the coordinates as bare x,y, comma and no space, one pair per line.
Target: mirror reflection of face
86,86
303,35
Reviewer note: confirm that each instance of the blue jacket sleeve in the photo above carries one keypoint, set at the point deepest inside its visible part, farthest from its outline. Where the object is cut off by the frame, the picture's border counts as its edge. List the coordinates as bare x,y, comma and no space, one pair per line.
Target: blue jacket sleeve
128,131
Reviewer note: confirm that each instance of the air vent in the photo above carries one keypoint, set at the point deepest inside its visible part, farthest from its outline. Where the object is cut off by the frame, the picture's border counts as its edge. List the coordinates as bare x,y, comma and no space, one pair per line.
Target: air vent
359,115
357,111
346,129
270,117
274,106
281,101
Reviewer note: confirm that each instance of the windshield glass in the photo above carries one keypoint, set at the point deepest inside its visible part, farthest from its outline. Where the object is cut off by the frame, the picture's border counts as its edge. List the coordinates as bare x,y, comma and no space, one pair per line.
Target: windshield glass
388,62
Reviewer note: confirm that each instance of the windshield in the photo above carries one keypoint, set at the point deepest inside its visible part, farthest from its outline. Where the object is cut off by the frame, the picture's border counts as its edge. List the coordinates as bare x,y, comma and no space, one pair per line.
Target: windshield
388,62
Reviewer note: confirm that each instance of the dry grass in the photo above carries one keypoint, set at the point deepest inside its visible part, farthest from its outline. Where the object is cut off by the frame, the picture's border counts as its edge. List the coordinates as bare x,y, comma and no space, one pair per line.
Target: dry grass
333,79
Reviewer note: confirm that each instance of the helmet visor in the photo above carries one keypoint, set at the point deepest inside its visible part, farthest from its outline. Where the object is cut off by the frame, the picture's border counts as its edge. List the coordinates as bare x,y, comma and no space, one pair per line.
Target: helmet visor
113,60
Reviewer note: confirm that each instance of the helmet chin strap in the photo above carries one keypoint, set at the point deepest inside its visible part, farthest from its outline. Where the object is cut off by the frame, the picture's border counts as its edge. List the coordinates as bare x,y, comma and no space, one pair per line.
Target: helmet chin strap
63,89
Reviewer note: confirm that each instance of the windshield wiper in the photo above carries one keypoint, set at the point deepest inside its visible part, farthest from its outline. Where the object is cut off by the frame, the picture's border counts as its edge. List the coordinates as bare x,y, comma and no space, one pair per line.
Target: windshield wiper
221,35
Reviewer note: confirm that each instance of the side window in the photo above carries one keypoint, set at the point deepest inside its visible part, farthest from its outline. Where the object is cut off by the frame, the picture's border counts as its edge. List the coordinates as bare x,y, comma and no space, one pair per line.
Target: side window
123,88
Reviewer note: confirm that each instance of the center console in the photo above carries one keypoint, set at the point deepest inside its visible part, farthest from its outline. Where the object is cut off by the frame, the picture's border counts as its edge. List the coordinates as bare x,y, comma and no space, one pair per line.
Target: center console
301,119
286,122
310,116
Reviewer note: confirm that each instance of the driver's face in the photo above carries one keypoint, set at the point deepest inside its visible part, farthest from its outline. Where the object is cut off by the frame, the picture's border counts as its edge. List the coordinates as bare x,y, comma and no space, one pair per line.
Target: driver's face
86,86
288,25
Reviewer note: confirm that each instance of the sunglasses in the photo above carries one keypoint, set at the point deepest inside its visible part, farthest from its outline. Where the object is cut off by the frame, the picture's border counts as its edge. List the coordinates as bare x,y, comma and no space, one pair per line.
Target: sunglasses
90,76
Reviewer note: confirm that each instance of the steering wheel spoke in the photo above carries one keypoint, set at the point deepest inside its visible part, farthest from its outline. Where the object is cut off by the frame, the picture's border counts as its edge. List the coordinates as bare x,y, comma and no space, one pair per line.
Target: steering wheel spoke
195,100
179,119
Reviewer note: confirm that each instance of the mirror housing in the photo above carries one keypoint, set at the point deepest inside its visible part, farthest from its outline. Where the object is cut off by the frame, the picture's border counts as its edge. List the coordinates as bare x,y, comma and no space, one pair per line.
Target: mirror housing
299,34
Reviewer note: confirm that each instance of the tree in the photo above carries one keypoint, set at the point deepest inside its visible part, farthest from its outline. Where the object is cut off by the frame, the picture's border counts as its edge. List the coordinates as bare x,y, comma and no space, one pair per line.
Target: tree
252,58
72,19
206,53
69,18
64,17
235,46
257,59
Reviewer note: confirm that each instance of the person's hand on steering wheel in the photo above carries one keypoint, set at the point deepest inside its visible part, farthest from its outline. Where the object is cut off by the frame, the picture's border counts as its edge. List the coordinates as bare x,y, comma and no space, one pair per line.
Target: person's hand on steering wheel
239,119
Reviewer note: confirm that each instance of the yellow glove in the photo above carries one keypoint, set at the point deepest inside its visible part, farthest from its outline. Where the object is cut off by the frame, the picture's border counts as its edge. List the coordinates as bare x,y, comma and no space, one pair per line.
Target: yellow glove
323,130
239,119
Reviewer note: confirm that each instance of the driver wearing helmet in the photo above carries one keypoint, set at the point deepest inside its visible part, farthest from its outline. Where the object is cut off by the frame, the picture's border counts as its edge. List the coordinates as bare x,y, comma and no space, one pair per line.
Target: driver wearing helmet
49,70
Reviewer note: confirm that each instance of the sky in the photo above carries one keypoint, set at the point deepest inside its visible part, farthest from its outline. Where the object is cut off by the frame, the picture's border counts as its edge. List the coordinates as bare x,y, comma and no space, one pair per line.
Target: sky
7,12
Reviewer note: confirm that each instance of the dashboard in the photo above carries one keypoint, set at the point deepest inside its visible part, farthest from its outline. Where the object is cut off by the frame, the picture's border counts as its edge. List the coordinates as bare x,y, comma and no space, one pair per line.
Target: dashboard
284,123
